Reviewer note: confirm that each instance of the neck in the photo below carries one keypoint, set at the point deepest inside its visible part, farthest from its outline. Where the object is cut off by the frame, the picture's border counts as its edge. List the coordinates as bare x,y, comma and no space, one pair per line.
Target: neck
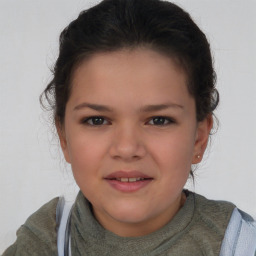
136,229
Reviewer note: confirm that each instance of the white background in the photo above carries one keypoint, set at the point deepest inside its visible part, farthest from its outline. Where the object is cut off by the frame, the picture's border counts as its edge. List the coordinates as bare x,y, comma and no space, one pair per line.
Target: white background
32,170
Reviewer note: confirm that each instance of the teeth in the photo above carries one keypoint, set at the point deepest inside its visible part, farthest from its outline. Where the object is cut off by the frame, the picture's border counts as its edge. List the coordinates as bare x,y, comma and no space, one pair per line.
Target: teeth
129,179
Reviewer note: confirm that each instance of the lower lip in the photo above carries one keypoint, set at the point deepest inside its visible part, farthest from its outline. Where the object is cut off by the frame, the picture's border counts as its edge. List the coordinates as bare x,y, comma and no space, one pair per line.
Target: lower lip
128,187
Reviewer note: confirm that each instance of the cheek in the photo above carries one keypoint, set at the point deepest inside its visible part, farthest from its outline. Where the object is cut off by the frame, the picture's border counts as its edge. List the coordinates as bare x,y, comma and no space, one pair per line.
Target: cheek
86,153
176,148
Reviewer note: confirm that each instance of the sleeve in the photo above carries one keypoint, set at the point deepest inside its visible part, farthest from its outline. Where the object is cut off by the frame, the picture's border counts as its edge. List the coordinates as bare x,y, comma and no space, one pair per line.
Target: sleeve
37,236
240,236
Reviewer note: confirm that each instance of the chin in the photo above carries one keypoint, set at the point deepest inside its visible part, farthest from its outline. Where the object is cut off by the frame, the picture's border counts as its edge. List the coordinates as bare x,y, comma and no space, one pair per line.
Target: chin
129,214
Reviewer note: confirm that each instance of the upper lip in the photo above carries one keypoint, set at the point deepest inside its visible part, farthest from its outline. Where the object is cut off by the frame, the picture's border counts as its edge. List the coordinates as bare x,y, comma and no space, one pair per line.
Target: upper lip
127,174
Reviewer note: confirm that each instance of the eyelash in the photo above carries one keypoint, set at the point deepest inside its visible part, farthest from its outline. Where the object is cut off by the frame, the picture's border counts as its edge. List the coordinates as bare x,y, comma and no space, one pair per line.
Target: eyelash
103,119
86,121
168,119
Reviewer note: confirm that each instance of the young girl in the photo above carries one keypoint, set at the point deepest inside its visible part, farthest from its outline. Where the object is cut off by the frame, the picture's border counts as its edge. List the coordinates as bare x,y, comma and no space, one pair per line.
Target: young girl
133,96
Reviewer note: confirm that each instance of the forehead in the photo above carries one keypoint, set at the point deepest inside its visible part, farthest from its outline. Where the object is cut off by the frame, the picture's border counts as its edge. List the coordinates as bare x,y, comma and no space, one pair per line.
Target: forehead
138,74
143,57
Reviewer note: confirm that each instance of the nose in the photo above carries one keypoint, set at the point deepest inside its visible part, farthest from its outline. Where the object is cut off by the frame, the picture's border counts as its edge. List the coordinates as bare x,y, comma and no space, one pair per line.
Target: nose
127,144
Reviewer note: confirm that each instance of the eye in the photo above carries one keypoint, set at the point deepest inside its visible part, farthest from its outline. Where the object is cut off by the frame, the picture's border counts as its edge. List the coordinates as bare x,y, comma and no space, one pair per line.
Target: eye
95,121
161,121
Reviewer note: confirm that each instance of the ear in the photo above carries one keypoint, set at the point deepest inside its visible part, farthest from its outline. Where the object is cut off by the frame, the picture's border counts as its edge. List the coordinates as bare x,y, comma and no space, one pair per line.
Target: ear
63,140
202,134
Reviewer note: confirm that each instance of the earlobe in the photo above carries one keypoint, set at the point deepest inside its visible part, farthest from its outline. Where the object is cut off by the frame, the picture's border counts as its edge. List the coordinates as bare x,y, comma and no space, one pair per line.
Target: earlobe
63,140
203,131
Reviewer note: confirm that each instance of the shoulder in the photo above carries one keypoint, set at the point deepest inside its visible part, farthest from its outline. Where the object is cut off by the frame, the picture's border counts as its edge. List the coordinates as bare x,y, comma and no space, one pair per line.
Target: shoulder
241,231
42,223
209,223
213,214
37,236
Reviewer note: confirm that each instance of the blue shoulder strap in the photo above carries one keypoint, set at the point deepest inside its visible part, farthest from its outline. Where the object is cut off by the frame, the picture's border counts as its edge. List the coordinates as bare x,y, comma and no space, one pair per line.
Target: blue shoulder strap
63,217
240,236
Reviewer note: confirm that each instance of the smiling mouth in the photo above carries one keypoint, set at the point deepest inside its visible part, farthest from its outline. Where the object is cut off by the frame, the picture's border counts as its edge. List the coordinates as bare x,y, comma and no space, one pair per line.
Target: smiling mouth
128,184
128,181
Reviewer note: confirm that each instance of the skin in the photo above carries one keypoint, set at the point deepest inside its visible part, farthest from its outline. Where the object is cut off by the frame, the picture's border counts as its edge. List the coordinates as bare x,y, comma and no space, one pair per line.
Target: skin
129,138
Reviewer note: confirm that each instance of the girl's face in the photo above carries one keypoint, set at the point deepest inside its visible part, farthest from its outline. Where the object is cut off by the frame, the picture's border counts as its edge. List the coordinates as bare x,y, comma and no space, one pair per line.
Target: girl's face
131,135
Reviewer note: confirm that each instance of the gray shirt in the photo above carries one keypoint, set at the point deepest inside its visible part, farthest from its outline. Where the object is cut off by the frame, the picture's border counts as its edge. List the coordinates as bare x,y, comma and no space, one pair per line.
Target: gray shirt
197,229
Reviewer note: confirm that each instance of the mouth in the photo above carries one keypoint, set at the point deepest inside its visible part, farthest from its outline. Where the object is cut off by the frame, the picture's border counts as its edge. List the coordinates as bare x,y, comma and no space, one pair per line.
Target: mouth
130,179
128,182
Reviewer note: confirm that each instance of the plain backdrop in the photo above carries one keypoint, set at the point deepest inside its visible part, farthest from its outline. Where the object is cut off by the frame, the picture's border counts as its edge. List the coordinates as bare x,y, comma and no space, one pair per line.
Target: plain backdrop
32,169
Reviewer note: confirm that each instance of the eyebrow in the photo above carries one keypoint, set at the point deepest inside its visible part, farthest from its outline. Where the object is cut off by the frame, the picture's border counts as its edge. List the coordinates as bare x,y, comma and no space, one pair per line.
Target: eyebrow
94,107
147,108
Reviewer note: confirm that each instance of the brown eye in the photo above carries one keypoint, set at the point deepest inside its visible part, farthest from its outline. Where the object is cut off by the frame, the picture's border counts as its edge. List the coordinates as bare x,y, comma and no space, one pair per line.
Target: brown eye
160,120
95,121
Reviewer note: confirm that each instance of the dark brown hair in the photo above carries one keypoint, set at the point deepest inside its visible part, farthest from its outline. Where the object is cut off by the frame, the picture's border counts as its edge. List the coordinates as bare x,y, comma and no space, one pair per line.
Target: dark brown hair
117,24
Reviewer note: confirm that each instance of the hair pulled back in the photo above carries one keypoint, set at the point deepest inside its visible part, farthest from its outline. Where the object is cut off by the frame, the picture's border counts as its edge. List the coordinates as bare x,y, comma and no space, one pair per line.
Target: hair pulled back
118,24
